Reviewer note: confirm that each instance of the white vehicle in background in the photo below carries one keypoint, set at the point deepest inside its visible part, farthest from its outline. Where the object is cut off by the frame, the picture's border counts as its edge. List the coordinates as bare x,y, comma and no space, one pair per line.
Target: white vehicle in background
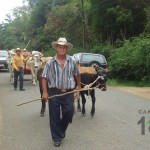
3,59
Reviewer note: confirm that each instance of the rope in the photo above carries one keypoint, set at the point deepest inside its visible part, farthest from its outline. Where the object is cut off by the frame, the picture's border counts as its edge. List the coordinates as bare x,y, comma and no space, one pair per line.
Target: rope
91,84
82,89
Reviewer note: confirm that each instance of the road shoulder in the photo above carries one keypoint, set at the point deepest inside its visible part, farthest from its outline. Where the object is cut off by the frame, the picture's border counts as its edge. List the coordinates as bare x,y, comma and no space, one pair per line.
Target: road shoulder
138,91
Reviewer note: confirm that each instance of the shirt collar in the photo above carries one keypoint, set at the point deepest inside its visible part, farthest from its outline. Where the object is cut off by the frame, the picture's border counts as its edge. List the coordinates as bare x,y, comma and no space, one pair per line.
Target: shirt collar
67,58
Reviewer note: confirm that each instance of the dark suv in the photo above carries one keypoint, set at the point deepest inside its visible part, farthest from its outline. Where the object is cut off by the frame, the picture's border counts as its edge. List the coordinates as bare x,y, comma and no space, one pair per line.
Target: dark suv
88,59
3,59
91,59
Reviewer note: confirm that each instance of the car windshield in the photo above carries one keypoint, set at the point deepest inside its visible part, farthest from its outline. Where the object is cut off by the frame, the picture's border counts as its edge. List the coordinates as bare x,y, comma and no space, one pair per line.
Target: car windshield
3,54
89,58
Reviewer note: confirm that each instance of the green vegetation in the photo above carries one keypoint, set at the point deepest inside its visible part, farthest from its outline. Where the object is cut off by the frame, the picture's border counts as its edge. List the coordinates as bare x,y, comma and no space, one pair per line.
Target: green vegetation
127,83
132,60
118,29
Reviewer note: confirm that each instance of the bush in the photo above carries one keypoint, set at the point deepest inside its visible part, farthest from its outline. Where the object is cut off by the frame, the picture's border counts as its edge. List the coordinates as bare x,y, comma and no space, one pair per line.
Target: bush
132,60
103,49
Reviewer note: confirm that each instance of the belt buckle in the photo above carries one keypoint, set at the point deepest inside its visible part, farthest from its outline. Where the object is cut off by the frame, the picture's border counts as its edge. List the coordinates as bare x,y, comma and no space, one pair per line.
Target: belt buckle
63,90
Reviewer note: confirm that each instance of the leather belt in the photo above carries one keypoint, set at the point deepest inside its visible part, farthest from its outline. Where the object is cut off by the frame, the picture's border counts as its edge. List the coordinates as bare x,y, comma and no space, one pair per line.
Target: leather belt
61,90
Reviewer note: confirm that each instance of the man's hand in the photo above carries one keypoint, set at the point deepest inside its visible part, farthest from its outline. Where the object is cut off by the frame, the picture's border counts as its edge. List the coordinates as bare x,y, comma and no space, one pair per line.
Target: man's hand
45,90
45,96
17,69
78,87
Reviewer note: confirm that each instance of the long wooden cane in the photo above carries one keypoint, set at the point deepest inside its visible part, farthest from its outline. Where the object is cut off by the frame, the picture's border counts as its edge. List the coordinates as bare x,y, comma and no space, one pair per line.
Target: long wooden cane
82,89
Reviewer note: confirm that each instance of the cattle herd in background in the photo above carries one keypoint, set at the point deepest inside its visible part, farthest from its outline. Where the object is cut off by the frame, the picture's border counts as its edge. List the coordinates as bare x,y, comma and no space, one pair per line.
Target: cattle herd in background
35,65
32,65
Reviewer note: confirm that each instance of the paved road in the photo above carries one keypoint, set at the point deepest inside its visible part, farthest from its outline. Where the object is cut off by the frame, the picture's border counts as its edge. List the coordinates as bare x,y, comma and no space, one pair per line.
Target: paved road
114,126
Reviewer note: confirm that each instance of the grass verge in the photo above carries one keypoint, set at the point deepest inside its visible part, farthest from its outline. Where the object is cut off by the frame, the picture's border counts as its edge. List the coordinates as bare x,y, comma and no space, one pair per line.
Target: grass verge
118,82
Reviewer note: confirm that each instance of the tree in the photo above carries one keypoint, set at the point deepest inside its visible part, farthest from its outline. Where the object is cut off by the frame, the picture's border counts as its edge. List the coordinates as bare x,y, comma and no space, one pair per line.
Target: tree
13,33
117,19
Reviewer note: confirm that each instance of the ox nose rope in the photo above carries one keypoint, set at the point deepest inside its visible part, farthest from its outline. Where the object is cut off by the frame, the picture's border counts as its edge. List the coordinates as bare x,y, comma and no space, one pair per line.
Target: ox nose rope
90,85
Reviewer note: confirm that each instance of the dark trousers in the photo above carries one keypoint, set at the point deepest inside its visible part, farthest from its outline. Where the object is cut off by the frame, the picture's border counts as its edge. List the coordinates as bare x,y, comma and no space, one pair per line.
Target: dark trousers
60,114
19,74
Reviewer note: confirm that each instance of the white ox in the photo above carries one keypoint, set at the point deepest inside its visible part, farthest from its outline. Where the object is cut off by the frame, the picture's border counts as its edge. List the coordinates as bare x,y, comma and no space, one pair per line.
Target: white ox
34,63
11,53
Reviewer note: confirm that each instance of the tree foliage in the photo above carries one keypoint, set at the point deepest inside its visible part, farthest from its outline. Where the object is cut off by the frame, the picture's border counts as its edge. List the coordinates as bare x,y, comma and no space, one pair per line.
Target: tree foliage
132,60
117,19
118,29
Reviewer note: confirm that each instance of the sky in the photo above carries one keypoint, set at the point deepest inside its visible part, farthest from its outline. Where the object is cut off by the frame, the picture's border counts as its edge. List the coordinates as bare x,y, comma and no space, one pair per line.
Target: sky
6,6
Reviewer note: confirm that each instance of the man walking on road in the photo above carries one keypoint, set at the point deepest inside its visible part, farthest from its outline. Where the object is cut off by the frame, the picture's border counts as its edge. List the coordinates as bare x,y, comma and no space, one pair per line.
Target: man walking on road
18,65
61,75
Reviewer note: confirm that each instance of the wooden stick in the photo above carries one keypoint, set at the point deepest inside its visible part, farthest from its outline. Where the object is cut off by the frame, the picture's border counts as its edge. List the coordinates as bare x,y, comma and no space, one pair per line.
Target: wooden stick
82,89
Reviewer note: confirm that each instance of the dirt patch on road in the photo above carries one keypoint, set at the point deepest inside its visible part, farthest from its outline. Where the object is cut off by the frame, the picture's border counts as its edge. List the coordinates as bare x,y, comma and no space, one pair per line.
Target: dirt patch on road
139,91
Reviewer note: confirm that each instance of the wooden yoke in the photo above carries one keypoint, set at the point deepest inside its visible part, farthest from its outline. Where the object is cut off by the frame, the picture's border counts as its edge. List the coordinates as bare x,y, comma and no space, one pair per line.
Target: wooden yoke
87,70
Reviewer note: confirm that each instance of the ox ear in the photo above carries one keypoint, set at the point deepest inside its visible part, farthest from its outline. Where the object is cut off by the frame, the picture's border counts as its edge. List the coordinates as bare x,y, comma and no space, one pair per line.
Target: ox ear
41,54
8,53
101,71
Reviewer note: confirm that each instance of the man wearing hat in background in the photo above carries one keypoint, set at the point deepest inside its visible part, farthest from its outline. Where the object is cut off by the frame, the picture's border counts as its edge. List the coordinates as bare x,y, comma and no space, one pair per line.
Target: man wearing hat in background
61,75
18,64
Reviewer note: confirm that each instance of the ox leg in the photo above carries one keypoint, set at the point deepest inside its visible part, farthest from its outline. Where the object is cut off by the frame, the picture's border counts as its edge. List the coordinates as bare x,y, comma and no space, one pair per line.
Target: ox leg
43,108
33,75
77,98
83,104
93,102
11,74
78,105
12,78
36,70
43,102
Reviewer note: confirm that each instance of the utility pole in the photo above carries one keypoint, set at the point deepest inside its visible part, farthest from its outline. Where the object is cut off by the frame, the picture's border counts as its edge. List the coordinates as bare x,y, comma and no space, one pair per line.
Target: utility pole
83,21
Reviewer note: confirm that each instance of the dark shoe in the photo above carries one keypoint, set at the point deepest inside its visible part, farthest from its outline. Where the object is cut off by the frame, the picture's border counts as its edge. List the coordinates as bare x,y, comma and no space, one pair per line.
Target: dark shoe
22,89
57,144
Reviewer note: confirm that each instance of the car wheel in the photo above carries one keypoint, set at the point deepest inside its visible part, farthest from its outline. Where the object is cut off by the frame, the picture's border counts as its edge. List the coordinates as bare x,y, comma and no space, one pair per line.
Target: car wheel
94,64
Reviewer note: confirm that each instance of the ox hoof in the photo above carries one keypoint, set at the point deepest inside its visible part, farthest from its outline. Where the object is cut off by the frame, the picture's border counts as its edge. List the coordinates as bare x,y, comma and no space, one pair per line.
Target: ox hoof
79,109
42,112
92,115
83,114
41,115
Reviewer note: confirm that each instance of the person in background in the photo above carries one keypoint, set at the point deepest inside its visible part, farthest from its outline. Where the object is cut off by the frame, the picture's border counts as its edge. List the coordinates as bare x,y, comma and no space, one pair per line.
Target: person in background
61,75
18,65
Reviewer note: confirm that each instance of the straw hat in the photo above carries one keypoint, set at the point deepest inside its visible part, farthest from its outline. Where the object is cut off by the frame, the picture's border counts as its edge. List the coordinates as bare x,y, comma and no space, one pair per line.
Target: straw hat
62,41
17,49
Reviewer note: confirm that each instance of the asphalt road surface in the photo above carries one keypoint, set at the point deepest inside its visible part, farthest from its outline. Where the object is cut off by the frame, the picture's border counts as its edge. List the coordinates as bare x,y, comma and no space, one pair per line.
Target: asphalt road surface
114,126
